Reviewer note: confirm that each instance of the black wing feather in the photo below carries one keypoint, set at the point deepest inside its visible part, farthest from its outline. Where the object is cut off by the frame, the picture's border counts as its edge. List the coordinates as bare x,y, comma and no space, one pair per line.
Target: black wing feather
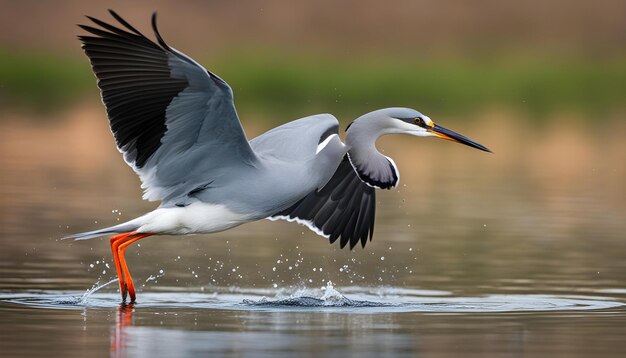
344,208
135,80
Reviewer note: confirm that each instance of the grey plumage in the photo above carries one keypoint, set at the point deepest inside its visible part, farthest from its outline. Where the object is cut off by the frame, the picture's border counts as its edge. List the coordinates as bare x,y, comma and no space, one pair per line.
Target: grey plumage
345,207
372,167
174,121
177,127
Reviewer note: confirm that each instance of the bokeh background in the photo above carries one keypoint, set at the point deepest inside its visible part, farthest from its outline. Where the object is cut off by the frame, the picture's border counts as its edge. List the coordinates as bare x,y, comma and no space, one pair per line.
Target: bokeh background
541,83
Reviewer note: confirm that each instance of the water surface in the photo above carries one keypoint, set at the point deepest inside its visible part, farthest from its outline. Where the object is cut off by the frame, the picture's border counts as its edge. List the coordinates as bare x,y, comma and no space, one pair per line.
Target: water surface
517,253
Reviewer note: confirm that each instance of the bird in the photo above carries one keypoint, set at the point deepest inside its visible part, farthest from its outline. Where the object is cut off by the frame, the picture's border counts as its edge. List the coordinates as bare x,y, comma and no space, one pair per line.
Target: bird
176,126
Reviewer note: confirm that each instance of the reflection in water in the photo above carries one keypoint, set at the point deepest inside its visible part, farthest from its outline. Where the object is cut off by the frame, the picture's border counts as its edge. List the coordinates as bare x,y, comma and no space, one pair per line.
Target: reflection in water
541,219
268,332
272,337
123,320
167,331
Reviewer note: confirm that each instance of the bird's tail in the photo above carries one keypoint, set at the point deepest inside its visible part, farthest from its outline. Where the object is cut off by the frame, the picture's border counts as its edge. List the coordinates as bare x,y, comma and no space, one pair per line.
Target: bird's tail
118,229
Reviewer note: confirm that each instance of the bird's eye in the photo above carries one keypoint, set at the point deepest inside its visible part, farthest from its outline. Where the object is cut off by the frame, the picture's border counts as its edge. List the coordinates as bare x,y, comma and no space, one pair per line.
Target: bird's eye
419,121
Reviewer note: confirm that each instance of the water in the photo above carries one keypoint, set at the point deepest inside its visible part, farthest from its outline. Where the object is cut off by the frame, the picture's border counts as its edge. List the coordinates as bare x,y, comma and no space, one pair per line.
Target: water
363,300
519,253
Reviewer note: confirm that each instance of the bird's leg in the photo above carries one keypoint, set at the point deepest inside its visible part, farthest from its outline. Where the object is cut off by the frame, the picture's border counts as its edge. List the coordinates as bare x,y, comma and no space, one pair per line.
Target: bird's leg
121,249
115,243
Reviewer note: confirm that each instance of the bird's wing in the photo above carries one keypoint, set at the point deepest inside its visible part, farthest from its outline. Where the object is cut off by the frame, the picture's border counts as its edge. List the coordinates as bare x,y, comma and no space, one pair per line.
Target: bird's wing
174,121
344,208
298,140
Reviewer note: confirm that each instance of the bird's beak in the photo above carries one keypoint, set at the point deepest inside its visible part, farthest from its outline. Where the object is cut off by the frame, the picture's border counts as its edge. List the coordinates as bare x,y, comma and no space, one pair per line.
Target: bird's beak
448,134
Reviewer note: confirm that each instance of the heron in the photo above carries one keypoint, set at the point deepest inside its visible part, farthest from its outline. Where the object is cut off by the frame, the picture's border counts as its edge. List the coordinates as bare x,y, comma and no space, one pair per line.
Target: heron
176,126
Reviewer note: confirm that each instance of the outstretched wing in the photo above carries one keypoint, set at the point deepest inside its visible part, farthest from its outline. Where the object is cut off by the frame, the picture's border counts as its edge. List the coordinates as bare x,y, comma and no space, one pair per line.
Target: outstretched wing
174,121
344,208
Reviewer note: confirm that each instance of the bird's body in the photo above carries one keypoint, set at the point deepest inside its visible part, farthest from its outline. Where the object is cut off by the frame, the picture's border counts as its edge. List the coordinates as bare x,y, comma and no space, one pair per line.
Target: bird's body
295,155
176,125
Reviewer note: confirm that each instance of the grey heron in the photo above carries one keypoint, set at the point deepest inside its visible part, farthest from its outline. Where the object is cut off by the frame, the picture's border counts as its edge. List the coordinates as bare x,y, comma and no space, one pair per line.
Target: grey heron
175,124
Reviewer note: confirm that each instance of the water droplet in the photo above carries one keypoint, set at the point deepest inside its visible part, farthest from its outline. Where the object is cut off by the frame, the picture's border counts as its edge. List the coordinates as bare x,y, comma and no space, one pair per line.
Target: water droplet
382,258
273,268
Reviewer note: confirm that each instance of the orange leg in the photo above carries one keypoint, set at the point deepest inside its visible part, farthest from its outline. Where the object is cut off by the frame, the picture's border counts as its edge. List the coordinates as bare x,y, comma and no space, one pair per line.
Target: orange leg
115,243
119,243
121,250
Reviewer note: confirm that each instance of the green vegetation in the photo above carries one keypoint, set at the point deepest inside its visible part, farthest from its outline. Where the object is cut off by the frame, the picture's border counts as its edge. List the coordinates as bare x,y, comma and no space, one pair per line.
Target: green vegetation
450,87
297,85
40,81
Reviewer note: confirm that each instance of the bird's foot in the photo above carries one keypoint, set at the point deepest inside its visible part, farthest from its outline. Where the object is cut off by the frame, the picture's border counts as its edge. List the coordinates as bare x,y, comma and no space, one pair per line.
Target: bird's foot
124,292
128,290
131,291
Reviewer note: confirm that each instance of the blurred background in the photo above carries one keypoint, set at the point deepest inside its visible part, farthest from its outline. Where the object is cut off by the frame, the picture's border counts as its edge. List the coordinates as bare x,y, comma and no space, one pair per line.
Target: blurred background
541,83
285,60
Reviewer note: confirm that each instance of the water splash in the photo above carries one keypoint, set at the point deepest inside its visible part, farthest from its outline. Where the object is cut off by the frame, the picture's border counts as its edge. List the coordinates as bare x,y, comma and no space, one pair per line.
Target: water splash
330,294
154,278
82,300
326,296
305,298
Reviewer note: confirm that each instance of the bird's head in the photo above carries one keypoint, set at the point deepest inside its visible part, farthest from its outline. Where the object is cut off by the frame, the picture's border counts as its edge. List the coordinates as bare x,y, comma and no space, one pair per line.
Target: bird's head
409,121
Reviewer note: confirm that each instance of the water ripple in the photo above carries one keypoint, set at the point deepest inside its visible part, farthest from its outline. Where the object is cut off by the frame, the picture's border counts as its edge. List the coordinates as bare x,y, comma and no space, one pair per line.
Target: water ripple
365,300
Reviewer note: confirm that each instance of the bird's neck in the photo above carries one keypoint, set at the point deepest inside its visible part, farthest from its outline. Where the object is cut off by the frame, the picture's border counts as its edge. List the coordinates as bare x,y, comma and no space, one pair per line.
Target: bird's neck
373,168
